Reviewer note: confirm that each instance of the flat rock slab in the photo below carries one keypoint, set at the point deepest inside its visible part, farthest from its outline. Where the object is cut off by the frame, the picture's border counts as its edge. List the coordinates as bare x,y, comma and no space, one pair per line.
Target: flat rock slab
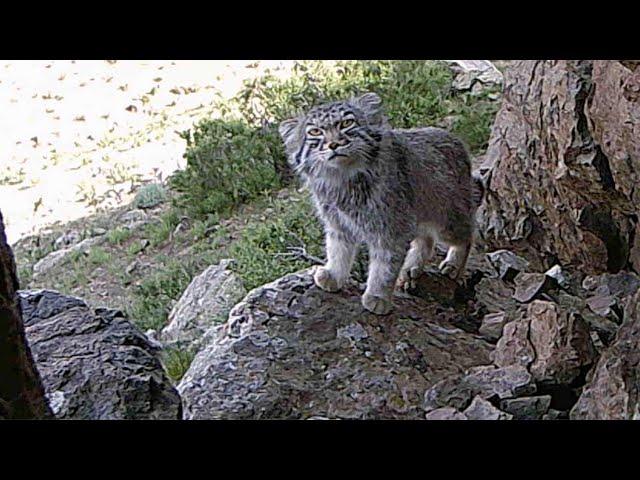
95,364
293,351
487,382
481,409
527,408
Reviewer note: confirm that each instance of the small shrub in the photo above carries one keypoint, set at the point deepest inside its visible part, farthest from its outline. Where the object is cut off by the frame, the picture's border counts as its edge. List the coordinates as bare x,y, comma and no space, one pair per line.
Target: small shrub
228,163
149,196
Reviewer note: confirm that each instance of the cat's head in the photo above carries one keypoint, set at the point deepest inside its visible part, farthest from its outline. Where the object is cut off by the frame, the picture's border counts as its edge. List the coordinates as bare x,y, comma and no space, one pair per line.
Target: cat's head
335,137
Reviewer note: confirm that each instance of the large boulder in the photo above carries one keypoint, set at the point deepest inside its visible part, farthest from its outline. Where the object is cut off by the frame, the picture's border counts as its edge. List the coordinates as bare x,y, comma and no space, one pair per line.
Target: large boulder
563,165
614,390
553,343
95,364
205,302
291,350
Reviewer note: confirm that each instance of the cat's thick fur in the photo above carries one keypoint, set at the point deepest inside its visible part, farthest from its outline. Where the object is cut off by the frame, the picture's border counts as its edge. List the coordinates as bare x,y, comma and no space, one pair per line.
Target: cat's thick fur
398,191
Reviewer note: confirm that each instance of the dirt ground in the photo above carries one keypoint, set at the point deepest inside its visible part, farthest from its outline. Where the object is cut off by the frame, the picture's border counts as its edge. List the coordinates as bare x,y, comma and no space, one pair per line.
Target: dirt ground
78,137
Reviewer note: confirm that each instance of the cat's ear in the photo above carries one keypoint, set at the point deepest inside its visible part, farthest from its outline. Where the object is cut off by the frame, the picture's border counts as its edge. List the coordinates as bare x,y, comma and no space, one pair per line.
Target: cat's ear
287,130
371,104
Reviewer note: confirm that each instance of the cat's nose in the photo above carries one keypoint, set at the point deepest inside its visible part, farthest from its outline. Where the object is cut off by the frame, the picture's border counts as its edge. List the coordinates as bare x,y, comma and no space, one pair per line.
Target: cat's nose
333,145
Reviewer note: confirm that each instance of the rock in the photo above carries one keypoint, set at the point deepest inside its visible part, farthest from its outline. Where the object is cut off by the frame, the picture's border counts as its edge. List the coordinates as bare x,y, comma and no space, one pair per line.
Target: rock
555,345
95,364
492,326
131,267
507,264
474,74
514,347
435,286
495,296
531,285
291,350
481,409
558,275
527,408
59,257
604,327
565,165
613,393
67,239
555,415
206,301
135,216
487,381
620,285
603,305
445,413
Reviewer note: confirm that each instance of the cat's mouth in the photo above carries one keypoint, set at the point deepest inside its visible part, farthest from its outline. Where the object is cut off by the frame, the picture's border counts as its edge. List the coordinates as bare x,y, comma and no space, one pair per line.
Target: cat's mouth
338,157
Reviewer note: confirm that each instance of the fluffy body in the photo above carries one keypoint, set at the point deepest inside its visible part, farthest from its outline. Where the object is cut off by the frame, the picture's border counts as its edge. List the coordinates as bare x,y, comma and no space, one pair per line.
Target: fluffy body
396,190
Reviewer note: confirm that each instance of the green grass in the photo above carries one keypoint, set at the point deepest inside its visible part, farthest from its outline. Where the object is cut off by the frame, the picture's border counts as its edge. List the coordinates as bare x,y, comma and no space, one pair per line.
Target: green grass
98,256
118,235
262,252
176,362
160,232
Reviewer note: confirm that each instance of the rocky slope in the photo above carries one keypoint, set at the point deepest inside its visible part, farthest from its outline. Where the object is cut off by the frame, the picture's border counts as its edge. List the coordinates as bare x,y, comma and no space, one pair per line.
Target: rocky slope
545,325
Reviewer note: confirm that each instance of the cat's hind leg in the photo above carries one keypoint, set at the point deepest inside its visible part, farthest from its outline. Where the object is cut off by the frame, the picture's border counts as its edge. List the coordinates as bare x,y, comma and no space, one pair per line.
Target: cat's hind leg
455,262
419,254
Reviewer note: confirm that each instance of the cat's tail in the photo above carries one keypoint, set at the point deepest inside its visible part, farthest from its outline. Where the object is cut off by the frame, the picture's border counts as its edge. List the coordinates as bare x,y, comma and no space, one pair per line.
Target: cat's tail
477,191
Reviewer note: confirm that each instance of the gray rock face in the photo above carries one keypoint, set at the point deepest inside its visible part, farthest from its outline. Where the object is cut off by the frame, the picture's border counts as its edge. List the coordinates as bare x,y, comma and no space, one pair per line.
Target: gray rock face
94,364
205,302
290,350
614,390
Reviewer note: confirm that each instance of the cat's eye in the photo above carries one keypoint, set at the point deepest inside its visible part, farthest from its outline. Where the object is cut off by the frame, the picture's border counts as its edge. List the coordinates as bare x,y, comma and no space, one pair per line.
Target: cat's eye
314,132
347,123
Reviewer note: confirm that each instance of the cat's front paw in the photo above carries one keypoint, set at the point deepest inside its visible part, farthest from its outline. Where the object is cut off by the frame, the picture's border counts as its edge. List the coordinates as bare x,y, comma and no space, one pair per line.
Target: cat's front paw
325,280
376,304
